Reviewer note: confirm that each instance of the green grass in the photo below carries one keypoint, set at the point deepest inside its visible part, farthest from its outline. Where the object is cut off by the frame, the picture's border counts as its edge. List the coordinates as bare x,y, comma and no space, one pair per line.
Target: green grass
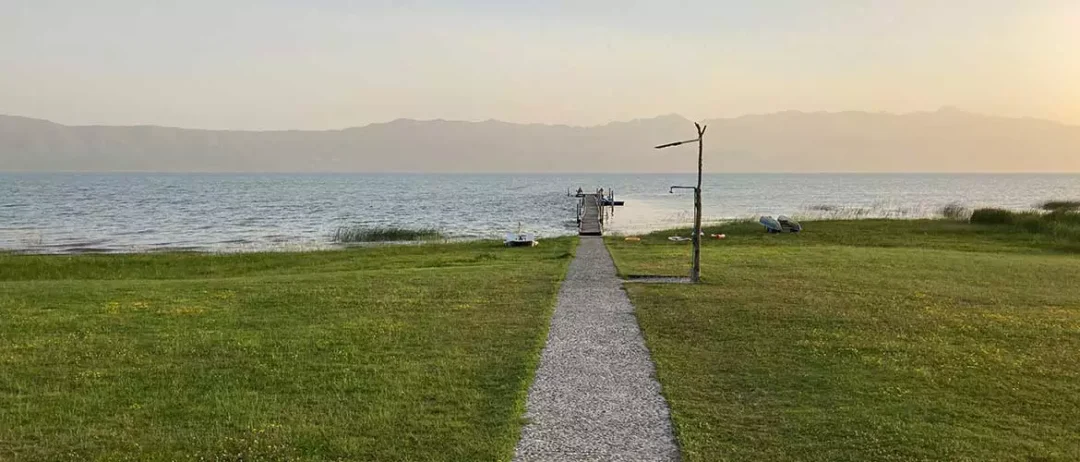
350,234
867,340
415,353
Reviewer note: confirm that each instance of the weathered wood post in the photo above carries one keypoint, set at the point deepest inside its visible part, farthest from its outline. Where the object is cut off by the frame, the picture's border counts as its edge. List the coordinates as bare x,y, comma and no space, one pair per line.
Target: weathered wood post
695,267
695,271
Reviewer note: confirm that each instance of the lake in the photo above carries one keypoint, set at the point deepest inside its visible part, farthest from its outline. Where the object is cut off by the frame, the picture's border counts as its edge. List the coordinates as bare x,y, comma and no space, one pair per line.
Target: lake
64,213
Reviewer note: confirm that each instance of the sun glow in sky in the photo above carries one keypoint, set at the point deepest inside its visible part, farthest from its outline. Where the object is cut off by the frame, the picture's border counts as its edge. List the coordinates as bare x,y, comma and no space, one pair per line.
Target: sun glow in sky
249,64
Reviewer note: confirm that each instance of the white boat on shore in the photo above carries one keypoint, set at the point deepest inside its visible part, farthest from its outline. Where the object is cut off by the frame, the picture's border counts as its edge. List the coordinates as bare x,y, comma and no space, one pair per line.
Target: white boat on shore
521,240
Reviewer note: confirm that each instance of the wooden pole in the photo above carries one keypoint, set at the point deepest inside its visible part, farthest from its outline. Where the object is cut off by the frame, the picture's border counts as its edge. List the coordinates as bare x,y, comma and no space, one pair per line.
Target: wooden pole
695,271
695,268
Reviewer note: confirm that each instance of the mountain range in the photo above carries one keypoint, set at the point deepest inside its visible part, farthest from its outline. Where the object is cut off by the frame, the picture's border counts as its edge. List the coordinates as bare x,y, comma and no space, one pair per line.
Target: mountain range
946,140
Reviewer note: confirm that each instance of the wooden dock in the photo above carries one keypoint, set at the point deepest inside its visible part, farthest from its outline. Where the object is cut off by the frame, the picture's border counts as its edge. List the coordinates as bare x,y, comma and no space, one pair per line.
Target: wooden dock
590,215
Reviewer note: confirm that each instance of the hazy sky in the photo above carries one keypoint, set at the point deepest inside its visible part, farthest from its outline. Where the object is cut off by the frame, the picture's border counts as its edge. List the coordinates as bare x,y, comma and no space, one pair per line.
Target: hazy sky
264,64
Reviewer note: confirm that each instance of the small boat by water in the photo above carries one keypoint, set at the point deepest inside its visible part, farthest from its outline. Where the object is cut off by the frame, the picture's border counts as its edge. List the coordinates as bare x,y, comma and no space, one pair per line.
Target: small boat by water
771,225
521,240
787,224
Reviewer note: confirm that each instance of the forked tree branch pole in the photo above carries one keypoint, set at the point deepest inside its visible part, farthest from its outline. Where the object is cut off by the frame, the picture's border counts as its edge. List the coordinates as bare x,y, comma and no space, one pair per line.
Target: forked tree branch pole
695,268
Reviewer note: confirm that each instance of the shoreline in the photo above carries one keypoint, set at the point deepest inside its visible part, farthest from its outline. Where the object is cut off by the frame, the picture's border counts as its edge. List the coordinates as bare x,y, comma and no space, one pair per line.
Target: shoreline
818,214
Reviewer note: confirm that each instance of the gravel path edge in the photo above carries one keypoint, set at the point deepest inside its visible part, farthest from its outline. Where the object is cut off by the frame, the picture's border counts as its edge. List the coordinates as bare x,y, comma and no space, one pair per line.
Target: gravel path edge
595,395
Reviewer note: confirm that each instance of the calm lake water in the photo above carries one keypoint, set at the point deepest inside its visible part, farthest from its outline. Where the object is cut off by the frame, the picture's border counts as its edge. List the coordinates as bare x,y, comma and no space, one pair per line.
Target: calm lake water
57,213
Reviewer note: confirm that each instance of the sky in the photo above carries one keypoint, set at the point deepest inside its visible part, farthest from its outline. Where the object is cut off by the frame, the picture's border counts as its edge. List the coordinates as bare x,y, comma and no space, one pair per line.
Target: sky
324,64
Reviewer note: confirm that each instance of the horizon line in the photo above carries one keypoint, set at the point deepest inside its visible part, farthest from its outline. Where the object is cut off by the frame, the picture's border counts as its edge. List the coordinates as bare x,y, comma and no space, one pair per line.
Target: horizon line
941,110
324,172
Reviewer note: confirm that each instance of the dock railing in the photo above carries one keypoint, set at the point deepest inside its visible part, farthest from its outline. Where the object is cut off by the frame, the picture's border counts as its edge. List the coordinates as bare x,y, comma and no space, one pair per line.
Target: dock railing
591,215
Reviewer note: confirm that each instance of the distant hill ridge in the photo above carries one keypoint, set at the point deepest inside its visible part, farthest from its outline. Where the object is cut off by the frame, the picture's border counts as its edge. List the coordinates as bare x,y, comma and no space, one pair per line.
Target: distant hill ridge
947,140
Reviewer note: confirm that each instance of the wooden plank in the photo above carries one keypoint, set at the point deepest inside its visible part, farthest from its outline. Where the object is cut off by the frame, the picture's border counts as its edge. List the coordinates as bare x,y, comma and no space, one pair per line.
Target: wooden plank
590,217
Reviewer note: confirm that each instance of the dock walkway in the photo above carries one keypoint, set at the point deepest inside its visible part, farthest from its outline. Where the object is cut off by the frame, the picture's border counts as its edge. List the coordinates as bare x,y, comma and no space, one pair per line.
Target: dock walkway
595,396
589,219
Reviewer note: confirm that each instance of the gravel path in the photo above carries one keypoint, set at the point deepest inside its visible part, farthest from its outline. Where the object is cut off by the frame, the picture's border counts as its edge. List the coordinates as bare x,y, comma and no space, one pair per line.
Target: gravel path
595,396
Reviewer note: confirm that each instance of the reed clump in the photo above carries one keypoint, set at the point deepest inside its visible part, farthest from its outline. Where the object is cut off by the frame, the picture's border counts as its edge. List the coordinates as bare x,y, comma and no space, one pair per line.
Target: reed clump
1060,206
956,211
1062,223
351,234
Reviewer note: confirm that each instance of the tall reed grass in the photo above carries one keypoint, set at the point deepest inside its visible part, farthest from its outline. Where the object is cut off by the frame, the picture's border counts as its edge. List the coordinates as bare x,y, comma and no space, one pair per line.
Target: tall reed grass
1060,206
1062,223
956,211
350,234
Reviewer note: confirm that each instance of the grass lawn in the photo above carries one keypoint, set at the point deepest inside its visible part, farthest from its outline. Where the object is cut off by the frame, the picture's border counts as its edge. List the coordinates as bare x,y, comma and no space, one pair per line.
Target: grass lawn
418,353
867,340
